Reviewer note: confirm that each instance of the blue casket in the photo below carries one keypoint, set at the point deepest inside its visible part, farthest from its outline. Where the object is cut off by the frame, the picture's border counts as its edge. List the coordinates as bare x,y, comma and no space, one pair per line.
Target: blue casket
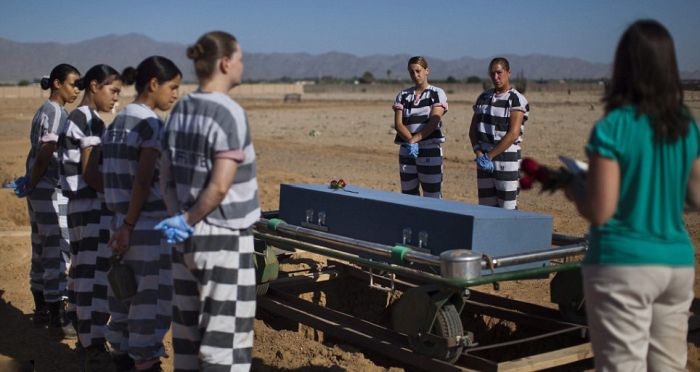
435,225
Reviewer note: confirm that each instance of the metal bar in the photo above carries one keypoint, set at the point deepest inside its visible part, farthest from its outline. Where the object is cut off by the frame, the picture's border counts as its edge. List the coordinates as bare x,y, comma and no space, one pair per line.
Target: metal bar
416,274
547,254
305,279
355,244
526,339
413,256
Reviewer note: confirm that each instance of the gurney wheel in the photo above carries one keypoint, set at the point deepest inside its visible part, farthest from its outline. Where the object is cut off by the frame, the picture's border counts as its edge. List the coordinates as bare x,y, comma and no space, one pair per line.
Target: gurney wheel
448,324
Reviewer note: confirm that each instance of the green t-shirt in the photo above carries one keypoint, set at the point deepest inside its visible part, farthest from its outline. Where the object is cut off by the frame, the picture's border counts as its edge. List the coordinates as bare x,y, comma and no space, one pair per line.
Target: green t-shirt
647,227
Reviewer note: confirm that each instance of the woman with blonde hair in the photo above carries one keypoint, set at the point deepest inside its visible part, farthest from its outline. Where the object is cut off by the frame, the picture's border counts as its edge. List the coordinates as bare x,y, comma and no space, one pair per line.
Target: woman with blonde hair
418,112
209,184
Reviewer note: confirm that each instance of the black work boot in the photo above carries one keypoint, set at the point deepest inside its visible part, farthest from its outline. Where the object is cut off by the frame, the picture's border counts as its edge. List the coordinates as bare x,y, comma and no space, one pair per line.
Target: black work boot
41,314
59,326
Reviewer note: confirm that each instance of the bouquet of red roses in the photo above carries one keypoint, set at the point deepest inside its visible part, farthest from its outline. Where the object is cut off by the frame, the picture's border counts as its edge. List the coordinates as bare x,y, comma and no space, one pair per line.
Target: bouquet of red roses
550,178
340,185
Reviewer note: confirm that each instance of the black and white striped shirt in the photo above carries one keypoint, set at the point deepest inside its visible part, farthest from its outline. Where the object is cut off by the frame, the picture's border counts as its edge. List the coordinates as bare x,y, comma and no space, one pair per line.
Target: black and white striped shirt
46,126
493,117
201,128
416,111
83,129
136,127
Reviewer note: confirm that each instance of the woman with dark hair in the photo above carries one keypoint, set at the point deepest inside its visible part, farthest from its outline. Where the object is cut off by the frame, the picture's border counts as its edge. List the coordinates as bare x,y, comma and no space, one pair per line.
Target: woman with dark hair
418,112
131,153
45,202
644,167
495,133
209,184
88,216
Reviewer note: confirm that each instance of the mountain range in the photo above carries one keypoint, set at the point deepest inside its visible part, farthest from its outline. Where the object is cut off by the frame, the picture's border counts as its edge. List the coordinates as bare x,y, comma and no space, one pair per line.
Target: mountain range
29,61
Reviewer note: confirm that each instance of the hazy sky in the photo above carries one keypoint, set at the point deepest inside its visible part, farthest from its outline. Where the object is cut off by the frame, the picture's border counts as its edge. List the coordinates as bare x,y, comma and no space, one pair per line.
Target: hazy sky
588,29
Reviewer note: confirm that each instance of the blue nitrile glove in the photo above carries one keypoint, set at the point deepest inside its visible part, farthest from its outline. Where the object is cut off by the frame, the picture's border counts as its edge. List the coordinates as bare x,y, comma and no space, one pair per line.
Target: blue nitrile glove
175,229
412,149
175,235
22,187
484,163
16,183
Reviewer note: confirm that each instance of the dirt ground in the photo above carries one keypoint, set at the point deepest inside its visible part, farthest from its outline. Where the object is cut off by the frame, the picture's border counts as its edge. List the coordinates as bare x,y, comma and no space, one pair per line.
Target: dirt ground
323,137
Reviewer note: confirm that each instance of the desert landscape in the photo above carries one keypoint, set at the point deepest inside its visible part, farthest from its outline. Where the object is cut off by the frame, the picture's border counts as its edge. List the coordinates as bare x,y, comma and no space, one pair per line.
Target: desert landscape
327,134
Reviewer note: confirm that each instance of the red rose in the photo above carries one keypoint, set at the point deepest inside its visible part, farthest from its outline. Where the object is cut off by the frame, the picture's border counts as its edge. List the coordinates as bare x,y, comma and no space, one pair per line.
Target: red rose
526,182
542,175
530,166
334,184
341,183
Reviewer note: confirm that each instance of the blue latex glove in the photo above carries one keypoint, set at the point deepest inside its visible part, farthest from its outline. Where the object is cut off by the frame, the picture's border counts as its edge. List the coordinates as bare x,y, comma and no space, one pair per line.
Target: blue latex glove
16,183
175,229
412,149
485,164
22,187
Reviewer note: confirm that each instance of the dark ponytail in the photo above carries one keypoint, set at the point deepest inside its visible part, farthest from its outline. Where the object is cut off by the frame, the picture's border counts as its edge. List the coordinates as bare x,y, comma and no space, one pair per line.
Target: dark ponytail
157,67
59,73
102,74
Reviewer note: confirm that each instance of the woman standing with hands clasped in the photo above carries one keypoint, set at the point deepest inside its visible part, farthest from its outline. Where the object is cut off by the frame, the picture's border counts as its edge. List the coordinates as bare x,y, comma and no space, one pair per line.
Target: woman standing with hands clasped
644,166
418,115
131,154
209,183
46,203
495,133
88,216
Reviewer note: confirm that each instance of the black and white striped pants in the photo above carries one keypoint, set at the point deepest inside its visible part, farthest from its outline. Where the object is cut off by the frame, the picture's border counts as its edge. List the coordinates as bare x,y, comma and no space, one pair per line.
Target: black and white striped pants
423,172
214,300
49,264
137,326
88,306
501,188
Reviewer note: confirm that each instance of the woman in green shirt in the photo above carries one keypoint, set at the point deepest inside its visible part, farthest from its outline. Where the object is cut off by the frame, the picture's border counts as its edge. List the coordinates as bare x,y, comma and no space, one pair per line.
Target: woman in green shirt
644,170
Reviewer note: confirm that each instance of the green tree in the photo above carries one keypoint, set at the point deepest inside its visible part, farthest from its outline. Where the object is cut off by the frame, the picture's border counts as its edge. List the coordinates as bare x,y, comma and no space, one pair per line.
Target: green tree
451,80
367,78
23,83
521,82
473,79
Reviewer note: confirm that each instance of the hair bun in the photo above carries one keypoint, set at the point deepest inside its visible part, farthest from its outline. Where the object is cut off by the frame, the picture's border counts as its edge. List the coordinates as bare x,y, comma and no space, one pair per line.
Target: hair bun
80,83
195,51
45,83
128,76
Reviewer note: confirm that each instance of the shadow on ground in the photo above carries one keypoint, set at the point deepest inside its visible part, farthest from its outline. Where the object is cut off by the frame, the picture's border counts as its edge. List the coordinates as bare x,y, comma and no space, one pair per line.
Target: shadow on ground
22,342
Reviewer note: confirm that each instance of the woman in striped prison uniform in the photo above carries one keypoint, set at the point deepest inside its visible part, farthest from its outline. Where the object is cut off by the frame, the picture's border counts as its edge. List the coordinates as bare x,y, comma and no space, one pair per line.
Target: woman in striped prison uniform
418,115
496,133
45,202
88,216
130,158
209,183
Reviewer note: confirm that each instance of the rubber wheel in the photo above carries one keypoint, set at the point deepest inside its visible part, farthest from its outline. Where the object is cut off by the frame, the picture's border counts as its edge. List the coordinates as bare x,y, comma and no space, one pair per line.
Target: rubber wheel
447,324
261,289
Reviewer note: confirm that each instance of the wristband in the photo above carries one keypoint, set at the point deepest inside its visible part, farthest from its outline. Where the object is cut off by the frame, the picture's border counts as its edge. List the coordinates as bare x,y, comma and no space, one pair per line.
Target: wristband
476,147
